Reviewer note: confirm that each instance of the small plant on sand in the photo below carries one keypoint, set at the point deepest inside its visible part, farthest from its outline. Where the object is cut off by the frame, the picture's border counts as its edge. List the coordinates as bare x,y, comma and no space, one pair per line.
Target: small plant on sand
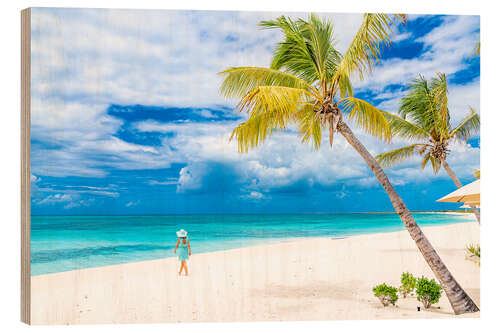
386,294
408,284
474,253
428,291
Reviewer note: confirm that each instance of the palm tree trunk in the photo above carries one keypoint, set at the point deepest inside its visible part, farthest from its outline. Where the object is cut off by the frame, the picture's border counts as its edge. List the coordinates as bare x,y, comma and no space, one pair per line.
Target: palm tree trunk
460,301
457,182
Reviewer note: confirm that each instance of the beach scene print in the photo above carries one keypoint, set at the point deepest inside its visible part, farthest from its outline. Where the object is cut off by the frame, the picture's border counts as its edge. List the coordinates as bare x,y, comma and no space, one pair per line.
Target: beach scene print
222,166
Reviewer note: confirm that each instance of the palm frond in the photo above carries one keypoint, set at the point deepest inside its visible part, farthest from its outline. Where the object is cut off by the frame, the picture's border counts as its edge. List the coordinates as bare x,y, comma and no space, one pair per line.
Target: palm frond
404,129
345,86
364,49
264,99
319,38
368,117
309,126
271,109
418,106
293,54
439,88
397,156
477,174
426,158
239,81
436,164
256,130
467,127
307,50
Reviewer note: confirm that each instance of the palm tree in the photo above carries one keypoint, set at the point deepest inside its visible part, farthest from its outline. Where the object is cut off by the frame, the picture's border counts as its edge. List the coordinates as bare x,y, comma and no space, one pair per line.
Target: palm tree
308,84
425,120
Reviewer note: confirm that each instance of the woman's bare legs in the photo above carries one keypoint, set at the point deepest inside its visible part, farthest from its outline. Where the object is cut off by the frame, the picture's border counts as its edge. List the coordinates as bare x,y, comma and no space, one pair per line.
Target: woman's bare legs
182,265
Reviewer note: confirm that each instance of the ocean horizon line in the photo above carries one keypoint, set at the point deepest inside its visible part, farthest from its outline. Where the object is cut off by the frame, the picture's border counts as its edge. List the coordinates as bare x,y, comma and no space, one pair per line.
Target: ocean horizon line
304,213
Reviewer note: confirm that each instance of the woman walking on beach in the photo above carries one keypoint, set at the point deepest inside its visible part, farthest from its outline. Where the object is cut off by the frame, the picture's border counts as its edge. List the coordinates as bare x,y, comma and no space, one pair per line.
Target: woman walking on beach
184,250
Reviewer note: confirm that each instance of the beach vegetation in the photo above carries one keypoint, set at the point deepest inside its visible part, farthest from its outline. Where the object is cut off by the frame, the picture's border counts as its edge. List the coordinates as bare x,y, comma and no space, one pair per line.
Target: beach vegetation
408,284
474,253
424,119
428,291
308,84
386,294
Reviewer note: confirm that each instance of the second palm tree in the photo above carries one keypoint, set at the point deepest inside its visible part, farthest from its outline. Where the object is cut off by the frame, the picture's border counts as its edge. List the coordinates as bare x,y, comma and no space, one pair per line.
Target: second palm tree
425,120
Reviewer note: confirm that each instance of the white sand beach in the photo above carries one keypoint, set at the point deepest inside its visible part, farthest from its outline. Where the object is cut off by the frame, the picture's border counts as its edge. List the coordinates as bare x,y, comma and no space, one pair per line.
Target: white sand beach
306,279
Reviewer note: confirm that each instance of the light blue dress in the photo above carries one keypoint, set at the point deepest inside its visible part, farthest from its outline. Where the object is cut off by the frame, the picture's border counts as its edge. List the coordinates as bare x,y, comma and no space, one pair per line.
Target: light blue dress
182,251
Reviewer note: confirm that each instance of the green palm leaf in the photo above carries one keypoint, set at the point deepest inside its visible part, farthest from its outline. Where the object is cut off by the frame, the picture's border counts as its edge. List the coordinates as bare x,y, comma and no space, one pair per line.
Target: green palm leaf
467,127
365,47
344,85
436,164
396,156
256,130
309,126
417,106
308,50
368,117
273,99
439,88
425,160
271,108
239,81
305,49
404,129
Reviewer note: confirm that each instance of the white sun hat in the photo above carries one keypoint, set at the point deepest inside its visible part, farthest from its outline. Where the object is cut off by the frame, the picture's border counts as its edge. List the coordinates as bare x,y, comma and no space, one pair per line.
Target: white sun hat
182,233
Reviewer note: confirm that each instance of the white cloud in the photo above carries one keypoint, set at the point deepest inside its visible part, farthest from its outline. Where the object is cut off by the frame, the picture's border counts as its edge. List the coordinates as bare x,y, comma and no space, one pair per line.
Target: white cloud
67,192
461,98
400,36
169,181
79,203
206,113
254,195
98,56
34,179
68,201
55,198
190,179
132,203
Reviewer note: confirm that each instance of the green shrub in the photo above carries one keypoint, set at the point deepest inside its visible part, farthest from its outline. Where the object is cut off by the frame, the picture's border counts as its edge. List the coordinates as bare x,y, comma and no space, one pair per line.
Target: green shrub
408,284
386,294
428,291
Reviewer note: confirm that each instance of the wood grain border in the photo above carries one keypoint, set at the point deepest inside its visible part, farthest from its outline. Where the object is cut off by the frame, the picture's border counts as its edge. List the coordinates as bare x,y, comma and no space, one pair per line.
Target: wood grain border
25,166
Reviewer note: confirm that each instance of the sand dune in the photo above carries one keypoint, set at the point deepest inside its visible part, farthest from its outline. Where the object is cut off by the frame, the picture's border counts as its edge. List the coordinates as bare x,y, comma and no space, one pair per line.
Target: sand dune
306,279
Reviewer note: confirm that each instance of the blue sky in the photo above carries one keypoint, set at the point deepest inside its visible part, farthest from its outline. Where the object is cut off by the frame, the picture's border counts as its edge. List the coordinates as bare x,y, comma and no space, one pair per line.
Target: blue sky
127,117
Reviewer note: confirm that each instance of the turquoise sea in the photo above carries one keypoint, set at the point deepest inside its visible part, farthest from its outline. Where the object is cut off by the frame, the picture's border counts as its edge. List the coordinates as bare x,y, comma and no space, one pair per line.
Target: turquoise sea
64,243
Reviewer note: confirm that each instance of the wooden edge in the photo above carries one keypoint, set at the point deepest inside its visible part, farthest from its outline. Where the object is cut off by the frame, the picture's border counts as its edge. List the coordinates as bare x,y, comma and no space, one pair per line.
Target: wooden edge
25,166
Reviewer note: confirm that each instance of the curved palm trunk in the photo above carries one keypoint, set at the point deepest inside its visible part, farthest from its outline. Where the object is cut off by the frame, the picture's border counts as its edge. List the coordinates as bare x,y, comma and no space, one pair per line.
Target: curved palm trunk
458,298
457,182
